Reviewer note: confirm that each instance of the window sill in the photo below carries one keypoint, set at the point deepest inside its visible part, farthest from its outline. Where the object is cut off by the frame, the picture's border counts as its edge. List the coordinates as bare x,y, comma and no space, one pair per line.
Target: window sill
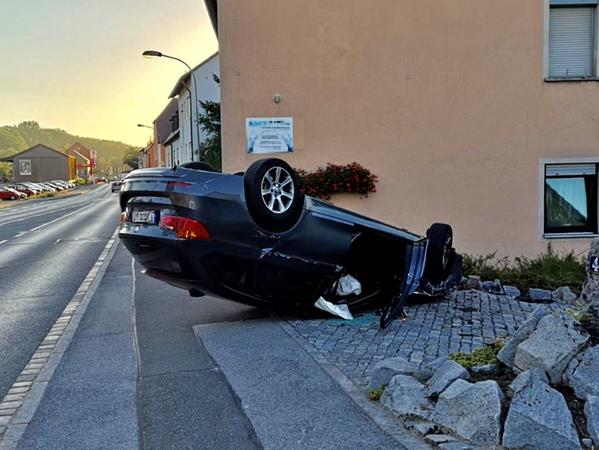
570,79
569,235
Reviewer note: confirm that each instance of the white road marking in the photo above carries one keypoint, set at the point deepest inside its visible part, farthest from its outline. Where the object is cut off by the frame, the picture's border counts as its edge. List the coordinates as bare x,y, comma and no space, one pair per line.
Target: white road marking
60,218
2,242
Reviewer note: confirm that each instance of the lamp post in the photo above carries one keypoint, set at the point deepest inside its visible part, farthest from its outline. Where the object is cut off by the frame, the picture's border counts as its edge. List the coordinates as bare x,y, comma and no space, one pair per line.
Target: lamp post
145,126
192,98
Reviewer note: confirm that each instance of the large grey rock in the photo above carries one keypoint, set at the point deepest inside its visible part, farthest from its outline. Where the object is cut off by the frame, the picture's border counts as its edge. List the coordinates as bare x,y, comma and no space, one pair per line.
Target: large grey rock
551,346
421,426
539,418
444,376
456,446
591,411
472,411
406,397
429,369
564,294
590,289
494,287
385,370
508,352
524,378
582,374
511,291
436,439
473,282
484,369
540,295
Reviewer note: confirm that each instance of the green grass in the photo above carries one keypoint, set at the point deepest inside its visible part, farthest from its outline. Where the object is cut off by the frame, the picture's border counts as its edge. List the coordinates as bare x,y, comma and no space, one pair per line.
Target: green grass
480,356
548,270
375,394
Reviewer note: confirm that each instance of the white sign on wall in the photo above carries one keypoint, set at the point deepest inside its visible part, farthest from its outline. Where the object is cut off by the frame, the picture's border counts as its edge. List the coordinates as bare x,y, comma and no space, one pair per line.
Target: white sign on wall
269,134
24,167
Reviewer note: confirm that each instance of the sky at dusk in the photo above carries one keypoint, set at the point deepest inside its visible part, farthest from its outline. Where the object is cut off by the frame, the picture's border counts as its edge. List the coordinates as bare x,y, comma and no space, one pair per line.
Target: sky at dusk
77,64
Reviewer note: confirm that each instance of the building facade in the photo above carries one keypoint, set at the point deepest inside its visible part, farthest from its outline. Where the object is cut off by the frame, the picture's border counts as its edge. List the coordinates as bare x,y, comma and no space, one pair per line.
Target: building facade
42,163
85,159
482,114
189,92
163,127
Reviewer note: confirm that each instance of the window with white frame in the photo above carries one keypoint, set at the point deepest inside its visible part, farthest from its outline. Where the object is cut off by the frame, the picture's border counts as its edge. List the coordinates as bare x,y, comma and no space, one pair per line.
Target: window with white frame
572,29
570,198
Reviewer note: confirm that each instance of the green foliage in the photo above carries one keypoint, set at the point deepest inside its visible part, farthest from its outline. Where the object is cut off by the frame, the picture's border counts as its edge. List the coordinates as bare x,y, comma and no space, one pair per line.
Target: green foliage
548,270
336,179
5,170
14,139
209,120
480,356
80,181
375,394
131,158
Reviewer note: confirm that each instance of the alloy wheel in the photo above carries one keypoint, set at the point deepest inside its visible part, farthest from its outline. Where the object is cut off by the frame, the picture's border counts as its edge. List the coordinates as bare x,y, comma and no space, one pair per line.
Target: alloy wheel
277,190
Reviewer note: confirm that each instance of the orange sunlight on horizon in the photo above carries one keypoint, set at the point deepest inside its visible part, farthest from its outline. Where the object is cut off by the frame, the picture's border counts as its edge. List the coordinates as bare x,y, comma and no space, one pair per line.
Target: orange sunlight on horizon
78,65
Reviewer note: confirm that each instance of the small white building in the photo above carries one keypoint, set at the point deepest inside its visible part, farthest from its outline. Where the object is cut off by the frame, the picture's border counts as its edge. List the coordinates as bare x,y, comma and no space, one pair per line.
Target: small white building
201,85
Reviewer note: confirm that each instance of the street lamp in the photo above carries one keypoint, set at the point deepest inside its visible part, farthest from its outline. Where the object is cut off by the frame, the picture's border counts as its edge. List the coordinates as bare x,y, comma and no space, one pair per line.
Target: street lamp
145,126
157,54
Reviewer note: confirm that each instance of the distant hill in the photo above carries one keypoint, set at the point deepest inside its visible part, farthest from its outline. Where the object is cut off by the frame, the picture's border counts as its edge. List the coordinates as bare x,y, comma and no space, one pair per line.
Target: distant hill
13,139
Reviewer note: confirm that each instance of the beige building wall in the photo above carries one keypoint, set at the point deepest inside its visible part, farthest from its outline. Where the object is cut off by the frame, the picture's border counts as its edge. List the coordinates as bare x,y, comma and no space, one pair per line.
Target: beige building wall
444,100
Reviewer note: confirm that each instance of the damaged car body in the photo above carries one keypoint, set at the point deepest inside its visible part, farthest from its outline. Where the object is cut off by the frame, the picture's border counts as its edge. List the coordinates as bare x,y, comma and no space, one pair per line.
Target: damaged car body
256,239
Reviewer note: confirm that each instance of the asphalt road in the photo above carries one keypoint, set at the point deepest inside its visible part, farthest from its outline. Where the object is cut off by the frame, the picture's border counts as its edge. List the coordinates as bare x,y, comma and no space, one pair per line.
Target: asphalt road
46,249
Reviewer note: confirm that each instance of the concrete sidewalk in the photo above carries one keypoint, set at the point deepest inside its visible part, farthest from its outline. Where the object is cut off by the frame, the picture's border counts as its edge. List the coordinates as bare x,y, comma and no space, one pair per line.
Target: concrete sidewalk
90,402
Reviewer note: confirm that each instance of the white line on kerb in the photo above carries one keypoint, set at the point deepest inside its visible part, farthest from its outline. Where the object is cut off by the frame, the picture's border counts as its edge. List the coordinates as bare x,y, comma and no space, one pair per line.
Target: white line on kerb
2,242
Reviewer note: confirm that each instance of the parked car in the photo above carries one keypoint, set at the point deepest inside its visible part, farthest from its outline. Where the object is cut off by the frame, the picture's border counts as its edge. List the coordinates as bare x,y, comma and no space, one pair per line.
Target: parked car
34,187
10,194
47,188
101,180
256,239
23,188
115,186
62,183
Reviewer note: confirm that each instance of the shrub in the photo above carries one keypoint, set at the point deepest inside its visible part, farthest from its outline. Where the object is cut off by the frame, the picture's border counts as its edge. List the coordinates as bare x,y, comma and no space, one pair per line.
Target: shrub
548,270
336,179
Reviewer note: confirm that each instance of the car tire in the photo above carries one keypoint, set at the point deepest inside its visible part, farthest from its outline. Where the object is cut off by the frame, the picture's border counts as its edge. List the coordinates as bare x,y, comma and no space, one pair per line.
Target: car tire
438,255
272,194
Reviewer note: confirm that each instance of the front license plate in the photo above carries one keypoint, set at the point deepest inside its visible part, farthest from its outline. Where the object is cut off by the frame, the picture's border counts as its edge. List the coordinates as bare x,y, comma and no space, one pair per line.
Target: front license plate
143,217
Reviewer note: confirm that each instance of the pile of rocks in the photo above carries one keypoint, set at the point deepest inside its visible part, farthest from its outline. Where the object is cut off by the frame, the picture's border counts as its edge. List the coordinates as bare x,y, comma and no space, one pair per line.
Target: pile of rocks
550,350
563,294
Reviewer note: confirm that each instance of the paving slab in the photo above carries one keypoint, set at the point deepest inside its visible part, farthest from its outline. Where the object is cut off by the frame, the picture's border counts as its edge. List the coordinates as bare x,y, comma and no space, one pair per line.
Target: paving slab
290,400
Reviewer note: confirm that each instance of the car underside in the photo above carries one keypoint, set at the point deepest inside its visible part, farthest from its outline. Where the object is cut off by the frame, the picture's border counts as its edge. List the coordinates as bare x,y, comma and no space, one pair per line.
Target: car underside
254,238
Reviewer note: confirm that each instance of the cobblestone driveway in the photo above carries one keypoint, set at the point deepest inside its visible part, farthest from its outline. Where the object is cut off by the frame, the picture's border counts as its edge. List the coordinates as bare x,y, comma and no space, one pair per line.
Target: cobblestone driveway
461,323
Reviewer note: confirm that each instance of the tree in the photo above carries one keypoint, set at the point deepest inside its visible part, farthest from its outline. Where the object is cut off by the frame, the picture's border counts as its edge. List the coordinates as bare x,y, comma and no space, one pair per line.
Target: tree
209,120
210,123
5,170
131,158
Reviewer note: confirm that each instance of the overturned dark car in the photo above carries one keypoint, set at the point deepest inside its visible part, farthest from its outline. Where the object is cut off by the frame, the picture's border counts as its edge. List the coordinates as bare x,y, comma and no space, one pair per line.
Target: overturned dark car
254,238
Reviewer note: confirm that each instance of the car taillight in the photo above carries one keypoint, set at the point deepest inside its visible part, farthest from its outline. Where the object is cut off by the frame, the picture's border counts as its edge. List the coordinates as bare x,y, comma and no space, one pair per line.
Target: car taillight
185,228
123,218
173,184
